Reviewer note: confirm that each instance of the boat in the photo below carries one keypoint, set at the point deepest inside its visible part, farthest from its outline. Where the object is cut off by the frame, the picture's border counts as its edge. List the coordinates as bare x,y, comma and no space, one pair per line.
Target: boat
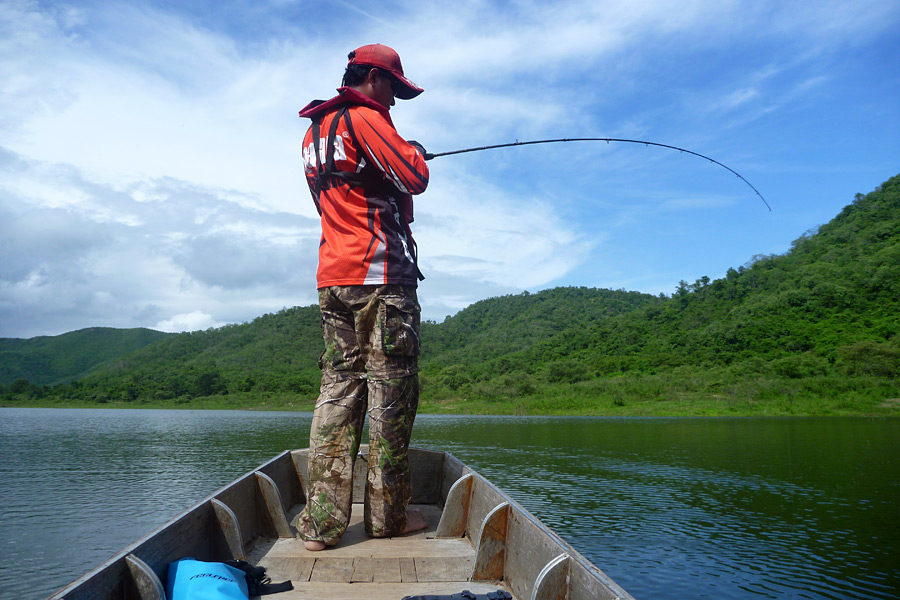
478,539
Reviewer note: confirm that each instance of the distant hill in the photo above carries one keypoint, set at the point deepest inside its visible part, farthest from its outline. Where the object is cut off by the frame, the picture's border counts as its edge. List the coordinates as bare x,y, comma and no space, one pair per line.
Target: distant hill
49,360
819,324
494,327
492,336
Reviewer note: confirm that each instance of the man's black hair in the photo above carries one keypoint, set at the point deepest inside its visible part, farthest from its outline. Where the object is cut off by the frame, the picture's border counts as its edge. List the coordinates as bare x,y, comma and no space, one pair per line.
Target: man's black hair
355,75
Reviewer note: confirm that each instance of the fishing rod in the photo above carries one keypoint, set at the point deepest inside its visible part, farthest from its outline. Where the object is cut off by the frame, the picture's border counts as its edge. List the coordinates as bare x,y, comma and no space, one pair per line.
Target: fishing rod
429,155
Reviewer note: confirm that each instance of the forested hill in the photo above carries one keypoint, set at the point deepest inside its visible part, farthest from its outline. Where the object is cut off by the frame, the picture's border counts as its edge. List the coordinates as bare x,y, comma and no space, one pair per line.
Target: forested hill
829,306
49,360
493,328
836,290
815,327
275,353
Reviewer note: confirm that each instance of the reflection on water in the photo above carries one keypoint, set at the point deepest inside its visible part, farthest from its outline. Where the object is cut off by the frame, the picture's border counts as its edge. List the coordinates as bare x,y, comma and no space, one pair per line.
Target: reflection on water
669,508
713,507
78,485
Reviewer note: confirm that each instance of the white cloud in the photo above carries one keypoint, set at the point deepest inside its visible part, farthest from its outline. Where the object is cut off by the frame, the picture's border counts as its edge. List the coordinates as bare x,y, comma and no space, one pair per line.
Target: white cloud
192,321
128,260
148,96
150,162
473,229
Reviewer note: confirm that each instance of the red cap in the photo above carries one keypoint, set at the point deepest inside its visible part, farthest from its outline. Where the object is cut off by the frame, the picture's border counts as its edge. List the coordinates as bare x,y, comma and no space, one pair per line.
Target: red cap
384,57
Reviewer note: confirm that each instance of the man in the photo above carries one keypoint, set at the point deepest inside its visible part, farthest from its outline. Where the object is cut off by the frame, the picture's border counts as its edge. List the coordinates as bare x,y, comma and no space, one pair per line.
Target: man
362,176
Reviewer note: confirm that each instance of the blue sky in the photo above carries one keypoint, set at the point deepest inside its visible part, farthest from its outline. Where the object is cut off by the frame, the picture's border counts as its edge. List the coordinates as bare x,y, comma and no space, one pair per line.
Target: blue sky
150,168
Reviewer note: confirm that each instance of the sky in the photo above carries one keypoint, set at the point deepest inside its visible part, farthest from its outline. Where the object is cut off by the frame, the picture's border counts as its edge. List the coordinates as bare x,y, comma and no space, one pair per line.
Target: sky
150,171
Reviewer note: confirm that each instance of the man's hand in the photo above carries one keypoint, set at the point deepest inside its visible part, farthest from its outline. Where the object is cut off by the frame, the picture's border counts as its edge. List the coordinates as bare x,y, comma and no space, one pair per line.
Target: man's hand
418,147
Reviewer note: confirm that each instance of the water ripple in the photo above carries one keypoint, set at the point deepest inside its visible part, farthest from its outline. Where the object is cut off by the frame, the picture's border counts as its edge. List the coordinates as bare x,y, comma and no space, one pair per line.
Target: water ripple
668,508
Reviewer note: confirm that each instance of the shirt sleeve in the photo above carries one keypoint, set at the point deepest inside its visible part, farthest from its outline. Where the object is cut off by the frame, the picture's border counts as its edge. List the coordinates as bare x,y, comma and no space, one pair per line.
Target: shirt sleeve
400,162
309,166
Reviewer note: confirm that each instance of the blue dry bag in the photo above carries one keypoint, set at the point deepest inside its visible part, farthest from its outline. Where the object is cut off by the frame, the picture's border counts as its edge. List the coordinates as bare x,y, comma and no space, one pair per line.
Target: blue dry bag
190,579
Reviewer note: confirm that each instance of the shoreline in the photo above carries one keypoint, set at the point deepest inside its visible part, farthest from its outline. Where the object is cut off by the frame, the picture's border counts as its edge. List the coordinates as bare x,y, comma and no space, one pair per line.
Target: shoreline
524,407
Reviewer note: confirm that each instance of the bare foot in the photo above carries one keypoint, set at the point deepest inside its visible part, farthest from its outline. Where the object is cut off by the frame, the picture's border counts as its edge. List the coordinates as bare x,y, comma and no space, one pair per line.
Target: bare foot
414,521
313,545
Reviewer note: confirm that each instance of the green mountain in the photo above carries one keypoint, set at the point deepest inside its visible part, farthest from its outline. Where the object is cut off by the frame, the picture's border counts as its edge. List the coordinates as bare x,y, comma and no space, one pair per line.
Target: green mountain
50,360
493,337
830,307
813,331
275,353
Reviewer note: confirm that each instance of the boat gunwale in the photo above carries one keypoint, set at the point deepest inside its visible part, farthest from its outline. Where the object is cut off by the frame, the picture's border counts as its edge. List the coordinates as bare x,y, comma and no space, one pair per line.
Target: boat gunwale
564,546
451,468
205,504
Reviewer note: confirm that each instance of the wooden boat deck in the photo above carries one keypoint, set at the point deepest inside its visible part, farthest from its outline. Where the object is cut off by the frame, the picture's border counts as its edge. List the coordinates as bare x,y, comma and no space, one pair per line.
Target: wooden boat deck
365,568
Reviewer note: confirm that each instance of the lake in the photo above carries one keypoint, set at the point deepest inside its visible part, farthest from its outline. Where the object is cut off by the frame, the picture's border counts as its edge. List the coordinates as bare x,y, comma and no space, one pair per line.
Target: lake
670,508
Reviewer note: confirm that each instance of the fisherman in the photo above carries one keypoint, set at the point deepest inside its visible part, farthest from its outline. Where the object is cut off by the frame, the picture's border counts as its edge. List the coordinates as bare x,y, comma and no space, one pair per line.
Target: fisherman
362,176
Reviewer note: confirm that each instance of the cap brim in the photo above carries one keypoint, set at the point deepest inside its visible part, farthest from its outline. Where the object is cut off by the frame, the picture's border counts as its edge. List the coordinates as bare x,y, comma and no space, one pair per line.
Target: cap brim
408,90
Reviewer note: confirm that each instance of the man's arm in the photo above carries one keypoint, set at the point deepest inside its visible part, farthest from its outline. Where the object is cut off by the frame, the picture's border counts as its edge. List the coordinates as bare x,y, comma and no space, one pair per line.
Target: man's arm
400,161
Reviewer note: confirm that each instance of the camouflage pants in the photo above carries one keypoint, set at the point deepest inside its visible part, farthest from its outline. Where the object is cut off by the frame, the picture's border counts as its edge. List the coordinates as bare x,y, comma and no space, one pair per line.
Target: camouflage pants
370,363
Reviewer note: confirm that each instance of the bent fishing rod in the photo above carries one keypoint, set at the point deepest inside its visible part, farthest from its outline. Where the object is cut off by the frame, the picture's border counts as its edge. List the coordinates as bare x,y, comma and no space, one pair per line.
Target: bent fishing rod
429,155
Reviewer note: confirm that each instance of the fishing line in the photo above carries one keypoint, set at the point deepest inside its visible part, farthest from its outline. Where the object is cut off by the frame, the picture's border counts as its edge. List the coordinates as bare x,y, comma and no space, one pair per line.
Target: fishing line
429,155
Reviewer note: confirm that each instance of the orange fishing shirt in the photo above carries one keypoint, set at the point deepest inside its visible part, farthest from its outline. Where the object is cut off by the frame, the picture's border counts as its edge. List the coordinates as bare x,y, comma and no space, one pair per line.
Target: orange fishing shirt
365,200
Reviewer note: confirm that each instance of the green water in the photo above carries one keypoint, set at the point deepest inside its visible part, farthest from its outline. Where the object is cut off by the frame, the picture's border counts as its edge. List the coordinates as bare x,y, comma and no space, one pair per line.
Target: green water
669,508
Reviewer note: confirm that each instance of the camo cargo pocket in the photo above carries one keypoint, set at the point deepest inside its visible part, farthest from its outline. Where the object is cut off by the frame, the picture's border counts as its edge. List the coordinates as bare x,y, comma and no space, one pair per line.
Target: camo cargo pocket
399,322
